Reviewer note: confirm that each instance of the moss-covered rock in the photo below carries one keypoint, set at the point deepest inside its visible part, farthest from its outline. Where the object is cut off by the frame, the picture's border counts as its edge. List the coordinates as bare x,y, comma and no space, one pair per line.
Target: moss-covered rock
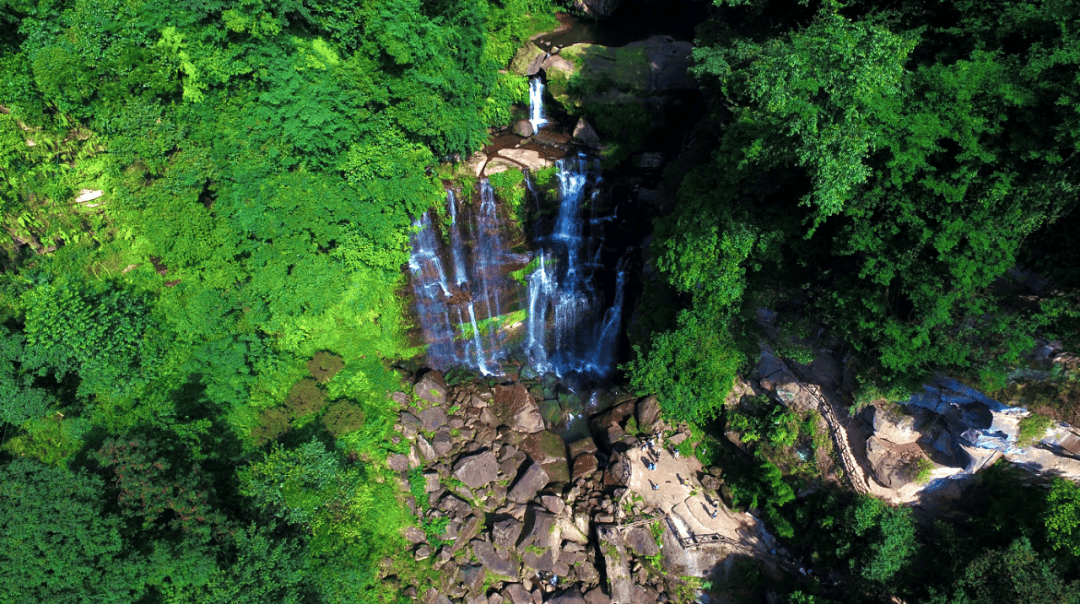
527,60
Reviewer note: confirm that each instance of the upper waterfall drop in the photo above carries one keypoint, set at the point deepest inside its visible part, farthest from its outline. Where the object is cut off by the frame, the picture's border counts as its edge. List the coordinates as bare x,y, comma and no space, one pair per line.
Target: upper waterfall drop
536,104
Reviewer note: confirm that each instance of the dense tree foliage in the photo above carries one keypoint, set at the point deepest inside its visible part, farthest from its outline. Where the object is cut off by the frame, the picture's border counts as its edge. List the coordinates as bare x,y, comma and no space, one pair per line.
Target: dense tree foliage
883,166
208,207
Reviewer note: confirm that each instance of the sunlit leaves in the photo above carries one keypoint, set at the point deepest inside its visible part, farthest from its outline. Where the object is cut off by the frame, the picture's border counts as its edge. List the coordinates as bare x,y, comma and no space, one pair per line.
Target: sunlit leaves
830,92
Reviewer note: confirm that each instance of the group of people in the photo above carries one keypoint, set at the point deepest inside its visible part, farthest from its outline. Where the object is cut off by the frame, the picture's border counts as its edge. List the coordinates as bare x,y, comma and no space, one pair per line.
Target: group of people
651,454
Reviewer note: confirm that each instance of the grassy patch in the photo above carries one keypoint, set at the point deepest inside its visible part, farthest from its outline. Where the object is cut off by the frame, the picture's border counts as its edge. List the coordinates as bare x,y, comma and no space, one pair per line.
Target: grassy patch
509,186
1032,428
492,323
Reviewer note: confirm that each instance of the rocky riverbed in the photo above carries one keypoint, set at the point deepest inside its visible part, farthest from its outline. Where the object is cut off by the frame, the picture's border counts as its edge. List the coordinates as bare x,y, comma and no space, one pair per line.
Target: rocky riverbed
508,511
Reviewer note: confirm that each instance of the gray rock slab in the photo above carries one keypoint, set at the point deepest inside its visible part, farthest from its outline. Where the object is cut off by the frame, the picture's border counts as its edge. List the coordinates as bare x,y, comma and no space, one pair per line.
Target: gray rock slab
641,541
538,533
585,465
477,470
554,504
410,425
617,562
530,483
433,418
441,443
648,413
472,577
431,387
501,566
415,535
569,596
515,593
506,533
584,445
431,482
516,408
426,450
397,462
596,596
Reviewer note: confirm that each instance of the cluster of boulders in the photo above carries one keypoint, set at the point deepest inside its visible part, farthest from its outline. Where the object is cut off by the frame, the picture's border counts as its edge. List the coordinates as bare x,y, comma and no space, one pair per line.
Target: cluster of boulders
509,511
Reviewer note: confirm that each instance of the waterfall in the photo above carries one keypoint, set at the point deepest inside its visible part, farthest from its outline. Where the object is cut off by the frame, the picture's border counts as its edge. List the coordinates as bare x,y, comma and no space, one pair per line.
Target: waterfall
481,362
554,315
456,246
582,341
541,287
432,294
603,356
536,104
489,255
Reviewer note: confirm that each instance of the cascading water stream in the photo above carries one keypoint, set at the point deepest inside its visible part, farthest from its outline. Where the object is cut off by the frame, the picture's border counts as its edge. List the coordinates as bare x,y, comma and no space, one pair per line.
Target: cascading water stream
536,104
488,256
603,357
432,294
456,246
577,340
554,313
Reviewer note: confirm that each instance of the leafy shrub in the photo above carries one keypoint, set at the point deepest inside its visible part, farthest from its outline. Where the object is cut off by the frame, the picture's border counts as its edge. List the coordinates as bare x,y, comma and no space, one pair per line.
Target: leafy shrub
272,424
305,397
324,366
343,417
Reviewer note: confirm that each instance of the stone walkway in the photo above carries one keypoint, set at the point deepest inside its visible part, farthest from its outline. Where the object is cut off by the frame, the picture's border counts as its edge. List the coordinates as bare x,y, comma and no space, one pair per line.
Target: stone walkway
691,514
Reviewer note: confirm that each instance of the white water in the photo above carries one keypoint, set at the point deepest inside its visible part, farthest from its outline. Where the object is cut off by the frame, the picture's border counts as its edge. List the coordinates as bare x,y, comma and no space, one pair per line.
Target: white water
569,328
536,104
460,276
576,339
481,362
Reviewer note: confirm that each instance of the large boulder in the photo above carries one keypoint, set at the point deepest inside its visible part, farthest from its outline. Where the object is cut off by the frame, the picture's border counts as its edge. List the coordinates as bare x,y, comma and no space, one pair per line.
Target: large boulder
892,425
524,128
431,387
477,470
472,577
549,450
433,418
530,483
584,465
506,533
528,158
600,9
887,460
584,445
516,408
585,133
497,564
641,541
527,60
648,413
596,595
569,596
646,68
517,594
538,533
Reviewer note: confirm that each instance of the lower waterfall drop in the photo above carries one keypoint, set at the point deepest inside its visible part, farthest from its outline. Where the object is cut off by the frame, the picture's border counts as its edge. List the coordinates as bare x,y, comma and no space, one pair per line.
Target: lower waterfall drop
536,104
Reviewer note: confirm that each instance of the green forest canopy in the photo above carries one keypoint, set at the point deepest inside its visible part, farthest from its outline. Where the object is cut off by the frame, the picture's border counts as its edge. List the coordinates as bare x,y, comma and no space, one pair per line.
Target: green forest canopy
875,169
195,371
228,299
